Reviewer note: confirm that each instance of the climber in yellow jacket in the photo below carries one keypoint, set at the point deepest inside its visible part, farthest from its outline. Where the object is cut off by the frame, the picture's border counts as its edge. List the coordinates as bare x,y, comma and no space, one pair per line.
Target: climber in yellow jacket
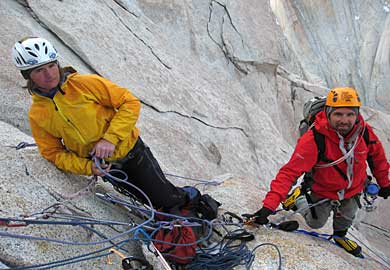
74,117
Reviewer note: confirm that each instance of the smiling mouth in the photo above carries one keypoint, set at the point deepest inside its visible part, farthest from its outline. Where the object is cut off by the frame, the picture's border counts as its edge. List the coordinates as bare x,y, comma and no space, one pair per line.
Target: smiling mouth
343,126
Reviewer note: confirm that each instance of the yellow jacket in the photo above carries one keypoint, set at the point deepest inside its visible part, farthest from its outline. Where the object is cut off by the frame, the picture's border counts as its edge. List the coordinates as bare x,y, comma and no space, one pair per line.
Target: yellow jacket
86,109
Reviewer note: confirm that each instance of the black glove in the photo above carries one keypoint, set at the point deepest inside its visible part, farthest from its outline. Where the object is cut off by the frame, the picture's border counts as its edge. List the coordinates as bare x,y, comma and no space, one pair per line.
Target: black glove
384,192
261,216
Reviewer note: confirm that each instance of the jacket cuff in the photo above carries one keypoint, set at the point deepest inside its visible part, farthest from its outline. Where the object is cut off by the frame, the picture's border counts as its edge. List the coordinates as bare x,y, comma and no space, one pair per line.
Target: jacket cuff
111,138
89,168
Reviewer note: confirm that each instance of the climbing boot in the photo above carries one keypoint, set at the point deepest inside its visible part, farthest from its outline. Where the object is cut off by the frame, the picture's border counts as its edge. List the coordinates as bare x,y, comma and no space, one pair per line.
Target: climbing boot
349,245
289,203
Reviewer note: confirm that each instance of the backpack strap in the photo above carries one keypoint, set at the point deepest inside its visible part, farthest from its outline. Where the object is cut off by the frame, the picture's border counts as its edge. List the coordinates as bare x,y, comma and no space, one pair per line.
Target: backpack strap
366,138
320,141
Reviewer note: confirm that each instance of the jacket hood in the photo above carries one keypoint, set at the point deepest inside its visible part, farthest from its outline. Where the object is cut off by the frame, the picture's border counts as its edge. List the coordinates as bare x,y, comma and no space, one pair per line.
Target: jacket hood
68,70
322,125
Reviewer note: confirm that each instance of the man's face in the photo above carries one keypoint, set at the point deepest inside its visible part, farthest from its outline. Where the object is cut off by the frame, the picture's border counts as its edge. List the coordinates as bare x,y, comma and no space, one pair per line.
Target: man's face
46,77
342,120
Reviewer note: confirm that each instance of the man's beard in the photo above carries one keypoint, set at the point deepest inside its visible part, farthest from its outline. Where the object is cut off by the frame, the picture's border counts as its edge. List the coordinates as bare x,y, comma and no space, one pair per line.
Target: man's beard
344,129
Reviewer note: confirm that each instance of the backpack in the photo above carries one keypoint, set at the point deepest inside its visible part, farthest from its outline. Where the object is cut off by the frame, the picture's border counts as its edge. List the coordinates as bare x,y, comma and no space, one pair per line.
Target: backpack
310,110
177,254
198,207
204,205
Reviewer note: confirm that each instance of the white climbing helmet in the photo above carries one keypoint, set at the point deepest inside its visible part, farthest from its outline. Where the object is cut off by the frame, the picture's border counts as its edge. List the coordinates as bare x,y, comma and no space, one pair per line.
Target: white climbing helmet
33,52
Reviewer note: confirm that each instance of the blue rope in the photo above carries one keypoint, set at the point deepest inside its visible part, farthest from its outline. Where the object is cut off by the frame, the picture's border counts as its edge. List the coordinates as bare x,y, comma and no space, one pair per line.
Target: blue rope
38,238
323,236
226,255
72,260
326,237
138,231
201,181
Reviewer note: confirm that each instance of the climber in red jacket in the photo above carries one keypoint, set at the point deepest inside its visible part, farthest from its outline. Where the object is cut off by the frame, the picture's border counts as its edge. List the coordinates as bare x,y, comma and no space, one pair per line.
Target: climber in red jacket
337,175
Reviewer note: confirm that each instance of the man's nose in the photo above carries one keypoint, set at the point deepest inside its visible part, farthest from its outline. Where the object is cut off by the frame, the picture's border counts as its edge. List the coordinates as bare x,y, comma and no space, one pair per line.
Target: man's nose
46,72
344,119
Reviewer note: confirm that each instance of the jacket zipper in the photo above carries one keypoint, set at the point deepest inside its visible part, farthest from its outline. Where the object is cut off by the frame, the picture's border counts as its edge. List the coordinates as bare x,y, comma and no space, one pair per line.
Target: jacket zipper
69,122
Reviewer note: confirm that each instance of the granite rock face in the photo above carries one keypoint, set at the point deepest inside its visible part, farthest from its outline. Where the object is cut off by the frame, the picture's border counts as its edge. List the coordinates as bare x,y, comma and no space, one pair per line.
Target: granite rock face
356,37
222,85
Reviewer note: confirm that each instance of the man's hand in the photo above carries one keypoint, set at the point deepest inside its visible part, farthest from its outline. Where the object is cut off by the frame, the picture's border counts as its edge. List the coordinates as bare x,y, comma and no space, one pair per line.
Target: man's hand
384,192
103,149
261,216
97,172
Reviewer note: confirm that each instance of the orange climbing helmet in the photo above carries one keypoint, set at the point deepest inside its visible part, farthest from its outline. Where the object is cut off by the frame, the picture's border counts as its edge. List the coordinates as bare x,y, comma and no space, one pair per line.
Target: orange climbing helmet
343,97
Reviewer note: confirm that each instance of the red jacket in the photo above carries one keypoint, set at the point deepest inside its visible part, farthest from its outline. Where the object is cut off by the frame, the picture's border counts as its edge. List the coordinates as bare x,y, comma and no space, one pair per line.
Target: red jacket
328,181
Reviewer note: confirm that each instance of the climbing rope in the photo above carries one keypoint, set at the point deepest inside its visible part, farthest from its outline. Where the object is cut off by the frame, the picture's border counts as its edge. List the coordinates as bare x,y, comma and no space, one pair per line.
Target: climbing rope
200,181
233,250
228,254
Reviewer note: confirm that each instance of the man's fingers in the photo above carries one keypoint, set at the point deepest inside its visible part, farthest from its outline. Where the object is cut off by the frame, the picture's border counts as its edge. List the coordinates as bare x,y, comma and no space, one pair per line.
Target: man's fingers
101,153
103,149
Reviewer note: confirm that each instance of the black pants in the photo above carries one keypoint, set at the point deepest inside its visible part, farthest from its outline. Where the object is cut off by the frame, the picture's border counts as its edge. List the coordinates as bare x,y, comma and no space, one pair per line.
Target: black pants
144,172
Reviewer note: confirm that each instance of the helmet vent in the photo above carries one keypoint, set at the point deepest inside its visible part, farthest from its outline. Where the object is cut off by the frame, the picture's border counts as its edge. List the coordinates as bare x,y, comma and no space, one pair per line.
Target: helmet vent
36,46
33,54
21,57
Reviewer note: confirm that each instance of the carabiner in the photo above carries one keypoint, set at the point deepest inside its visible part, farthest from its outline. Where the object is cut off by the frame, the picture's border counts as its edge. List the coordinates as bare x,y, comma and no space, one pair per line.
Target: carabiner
335,204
